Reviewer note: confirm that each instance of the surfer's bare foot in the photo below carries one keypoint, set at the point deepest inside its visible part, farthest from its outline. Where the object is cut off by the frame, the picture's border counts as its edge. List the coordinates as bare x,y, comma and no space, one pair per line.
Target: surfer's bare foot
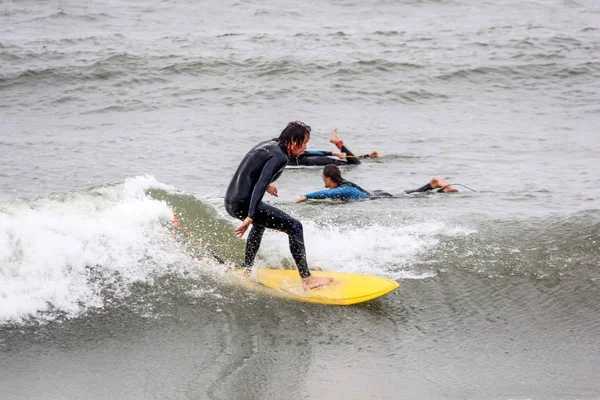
313,282
245,273
375,154
334,136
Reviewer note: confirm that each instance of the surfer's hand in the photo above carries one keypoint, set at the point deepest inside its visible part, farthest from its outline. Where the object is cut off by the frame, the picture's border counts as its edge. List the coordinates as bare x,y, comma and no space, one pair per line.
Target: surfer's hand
339,155
242,228
300,199
272,190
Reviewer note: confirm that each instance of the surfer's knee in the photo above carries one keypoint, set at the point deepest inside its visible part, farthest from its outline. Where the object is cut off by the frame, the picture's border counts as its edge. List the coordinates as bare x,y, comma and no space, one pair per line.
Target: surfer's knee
296,227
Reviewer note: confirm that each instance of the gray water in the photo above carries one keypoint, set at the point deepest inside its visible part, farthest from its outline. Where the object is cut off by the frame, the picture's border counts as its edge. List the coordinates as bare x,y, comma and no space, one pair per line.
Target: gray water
101,101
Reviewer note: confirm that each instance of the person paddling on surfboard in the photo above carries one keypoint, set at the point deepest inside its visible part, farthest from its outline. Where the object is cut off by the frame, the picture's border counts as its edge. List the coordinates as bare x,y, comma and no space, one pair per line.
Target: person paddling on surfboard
253,177
341,189
319,157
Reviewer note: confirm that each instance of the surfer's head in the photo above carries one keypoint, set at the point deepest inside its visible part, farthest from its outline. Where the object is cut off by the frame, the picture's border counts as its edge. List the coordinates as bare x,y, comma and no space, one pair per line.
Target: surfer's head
332,176
294,137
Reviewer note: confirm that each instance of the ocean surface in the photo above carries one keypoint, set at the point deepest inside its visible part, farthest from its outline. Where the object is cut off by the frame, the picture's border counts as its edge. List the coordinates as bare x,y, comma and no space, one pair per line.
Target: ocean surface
115,113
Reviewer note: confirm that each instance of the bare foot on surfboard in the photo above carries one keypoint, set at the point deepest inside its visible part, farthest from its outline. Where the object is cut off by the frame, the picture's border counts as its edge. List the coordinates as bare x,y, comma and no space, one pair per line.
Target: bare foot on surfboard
313,282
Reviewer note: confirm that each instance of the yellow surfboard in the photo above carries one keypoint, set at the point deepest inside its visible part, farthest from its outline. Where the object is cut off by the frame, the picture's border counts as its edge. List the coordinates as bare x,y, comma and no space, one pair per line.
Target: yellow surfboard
346,288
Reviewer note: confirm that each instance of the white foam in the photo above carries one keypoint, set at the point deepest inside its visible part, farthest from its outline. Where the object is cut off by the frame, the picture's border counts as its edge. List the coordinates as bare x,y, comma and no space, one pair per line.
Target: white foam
51,249
375,249
64,253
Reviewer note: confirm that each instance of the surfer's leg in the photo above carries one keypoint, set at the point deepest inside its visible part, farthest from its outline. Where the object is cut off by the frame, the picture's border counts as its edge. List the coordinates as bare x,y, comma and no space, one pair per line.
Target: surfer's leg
273,218
240,211
350,157
253,244
434,183
425,188
237,210
441,184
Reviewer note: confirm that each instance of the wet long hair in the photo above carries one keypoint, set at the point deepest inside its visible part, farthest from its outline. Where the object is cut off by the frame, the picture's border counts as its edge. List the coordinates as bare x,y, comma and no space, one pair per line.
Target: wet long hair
332,172
295,132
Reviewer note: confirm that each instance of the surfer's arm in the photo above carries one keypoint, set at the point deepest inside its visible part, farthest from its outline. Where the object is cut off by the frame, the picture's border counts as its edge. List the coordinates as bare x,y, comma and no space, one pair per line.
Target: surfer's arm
270,172
242,228
320,194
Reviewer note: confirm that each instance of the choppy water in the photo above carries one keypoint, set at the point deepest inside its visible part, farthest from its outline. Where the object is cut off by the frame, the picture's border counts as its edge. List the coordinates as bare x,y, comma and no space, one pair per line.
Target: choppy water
102,101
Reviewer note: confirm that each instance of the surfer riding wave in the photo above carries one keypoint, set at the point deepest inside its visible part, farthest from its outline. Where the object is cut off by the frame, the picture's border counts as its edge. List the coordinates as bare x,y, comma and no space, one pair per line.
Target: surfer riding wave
259,168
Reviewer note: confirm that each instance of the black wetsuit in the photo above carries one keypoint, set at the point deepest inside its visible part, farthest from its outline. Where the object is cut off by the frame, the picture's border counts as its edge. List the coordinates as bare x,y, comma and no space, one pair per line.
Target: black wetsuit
316,158
258,169
425,189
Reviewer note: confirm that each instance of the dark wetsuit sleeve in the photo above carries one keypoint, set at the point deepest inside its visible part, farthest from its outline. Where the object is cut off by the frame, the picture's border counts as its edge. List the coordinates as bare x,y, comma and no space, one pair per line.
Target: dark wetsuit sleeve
270,172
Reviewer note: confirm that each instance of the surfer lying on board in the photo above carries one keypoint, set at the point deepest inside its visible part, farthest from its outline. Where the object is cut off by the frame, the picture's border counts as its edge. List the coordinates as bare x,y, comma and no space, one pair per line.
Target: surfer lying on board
318,157
253,177
340,189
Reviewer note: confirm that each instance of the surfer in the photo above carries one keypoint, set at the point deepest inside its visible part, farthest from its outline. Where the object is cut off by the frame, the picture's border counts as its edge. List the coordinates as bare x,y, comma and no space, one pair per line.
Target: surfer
259,168
320,157
340,189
